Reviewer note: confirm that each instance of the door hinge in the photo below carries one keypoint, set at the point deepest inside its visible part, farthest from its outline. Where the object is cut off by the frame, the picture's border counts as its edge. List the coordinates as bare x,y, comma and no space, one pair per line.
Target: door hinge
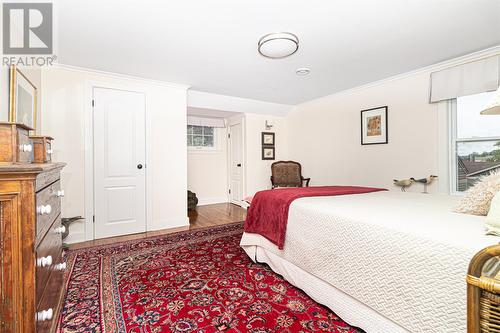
93,103
93,218
229,135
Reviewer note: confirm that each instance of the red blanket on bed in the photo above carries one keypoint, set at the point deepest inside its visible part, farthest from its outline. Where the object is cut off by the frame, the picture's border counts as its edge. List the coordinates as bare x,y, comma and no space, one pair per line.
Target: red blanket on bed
268,212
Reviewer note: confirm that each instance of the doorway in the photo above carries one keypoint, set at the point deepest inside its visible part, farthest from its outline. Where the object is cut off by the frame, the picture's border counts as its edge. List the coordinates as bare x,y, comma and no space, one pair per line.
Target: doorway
215,146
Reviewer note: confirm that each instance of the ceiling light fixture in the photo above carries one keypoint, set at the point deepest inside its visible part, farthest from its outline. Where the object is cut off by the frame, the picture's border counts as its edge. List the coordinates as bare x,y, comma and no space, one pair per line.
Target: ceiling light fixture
303,71
278,45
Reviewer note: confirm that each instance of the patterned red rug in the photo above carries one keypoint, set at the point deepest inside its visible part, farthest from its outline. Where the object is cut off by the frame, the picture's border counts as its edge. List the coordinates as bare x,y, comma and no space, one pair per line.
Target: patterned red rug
193,281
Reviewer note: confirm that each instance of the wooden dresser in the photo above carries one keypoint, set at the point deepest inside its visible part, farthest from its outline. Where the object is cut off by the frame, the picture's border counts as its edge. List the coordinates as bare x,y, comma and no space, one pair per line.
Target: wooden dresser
32,267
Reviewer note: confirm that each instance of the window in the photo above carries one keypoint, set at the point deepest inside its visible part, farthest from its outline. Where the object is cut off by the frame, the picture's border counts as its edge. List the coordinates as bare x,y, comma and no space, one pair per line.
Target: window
201,137
475,143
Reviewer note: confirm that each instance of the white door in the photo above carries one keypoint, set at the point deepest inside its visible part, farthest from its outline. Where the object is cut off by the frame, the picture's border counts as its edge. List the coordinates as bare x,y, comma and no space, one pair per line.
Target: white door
236,164
119,157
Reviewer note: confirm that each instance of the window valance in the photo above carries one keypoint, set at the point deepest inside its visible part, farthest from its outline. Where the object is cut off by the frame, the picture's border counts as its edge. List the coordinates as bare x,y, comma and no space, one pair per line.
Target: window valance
205,121
467,79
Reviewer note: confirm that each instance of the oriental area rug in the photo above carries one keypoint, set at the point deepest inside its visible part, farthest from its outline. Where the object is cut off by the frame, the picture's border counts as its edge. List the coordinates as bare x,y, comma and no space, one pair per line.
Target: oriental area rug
193,281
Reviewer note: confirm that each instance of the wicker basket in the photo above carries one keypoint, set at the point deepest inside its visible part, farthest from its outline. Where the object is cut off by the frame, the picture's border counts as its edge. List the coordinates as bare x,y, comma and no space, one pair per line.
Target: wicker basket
483,292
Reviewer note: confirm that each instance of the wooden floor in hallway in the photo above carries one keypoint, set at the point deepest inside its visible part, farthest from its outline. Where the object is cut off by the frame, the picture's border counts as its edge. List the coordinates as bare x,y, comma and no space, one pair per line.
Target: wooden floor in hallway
203,216
210,215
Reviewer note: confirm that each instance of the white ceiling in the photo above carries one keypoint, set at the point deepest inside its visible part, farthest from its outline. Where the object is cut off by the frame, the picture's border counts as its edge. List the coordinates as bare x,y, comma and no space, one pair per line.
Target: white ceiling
211,45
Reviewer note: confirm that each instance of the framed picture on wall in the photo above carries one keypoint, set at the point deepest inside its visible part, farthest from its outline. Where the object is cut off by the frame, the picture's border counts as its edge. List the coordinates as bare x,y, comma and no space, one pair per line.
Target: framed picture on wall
22,99
374,126
267,139
267,153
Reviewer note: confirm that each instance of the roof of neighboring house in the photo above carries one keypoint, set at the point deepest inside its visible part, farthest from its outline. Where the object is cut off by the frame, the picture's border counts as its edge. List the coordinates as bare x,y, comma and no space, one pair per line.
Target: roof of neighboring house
474,168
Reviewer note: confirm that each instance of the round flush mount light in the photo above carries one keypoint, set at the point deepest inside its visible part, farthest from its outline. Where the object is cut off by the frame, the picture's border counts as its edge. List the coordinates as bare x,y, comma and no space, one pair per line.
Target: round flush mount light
278,45
303,71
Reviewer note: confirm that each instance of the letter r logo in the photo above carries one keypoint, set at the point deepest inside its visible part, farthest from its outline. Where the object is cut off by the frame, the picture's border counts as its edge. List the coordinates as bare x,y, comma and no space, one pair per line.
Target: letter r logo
27,28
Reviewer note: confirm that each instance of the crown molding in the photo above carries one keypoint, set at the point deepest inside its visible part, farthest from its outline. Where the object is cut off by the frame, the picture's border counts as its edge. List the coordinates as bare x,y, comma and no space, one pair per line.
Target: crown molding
120,76
486,53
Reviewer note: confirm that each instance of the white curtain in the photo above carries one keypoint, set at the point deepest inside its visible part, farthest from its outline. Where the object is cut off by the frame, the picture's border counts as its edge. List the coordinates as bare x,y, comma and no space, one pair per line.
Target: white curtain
467,79
204,121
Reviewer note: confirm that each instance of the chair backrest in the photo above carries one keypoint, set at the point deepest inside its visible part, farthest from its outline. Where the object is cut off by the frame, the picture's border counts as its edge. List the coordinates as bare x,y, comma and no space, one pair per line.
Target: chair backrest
286,174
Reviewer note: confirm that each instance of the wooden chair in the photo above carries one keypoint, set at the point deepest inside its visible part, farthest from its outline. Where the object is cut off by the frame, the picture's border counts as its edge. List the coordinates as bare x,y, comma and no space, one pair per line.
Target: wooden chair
287,174
483,291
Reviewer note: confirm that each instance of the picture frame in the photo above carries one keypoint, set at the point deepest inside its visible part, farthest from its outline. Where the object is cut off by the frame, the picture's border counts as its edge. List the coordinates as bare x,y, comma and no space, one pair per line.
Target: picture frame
268,153
23,96
374,126
268,138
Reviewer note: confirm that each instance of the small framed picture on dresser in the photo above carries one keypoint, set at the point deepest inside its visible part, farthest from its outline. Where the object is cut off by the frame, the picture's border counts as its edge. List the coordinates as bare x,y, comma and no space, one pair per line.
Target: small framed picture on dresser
267,153
374,126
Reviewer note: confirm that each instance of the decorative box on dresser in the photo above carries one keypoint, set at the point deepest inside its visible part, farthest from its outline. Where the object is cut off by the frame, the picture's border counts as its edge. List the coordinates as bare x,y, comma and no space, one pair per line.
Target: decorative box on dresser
32,266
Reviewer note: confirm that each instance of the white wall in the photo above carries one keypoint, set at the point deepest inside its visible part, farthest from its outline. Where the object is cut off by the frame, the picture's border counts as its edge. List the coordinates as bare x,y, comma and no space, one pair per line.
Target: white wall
207,172
324,135
66,100
4,93
257,170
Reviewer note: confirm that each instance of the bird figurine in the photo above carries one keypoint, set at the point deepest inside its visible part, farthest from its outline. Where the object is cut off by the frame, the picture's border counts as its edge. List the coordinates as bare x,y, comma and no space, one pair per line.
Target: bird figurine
426,181
403,183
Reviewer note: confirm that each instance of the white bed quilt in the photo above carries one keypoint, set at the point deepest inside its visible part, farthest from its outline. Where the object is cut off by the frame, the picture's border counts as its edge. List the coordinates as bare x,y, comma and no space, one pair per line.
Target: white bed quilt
405,255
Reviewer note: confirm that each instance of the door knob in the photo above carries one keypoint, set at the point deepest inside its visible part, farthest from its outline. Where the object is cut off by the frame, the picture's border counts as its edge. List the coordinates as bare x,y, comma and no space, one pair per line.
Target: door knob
139,166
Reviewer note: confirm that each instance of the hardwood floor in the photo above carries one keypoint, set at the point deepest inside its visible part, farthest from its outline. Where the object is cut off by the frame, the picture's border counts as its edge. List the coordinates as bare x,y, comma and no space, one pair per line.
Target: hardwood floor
203,216
209,215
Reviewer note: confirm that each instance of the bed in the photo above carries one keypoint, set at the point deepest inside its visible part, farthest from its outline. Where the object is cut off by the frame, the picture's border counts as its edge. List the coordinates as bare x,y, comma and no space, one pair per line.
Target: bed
383,261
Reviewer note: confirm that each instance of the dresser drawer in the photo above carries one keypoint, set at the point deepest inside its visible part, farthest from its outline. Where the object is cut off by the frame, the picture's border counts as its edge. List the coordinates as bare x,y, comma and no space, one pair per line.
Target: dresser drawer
49,305
15,144
49,256
42,148
48,206
46,178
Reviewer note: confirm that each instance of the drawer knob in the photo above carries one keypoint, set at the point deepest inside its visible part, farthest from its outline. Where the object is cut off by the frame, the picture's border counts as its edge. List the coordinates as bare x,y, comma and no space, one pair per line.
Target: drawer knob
60,230
26,148
44,209
60,193
44,261
60,266
44,315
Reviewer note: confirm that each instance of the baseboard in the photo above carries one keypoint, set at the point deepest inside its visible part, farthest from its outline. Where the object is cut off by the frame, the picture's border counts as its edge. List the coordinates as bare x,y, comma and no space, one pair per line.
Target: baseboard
211,201
169,224
74,237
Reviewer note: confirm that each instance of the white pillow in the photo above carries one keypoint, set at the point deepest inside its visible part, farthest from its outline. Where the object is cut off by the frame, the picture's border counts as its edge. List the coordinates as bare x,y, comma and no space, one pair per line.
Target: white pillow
493,218
477,199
